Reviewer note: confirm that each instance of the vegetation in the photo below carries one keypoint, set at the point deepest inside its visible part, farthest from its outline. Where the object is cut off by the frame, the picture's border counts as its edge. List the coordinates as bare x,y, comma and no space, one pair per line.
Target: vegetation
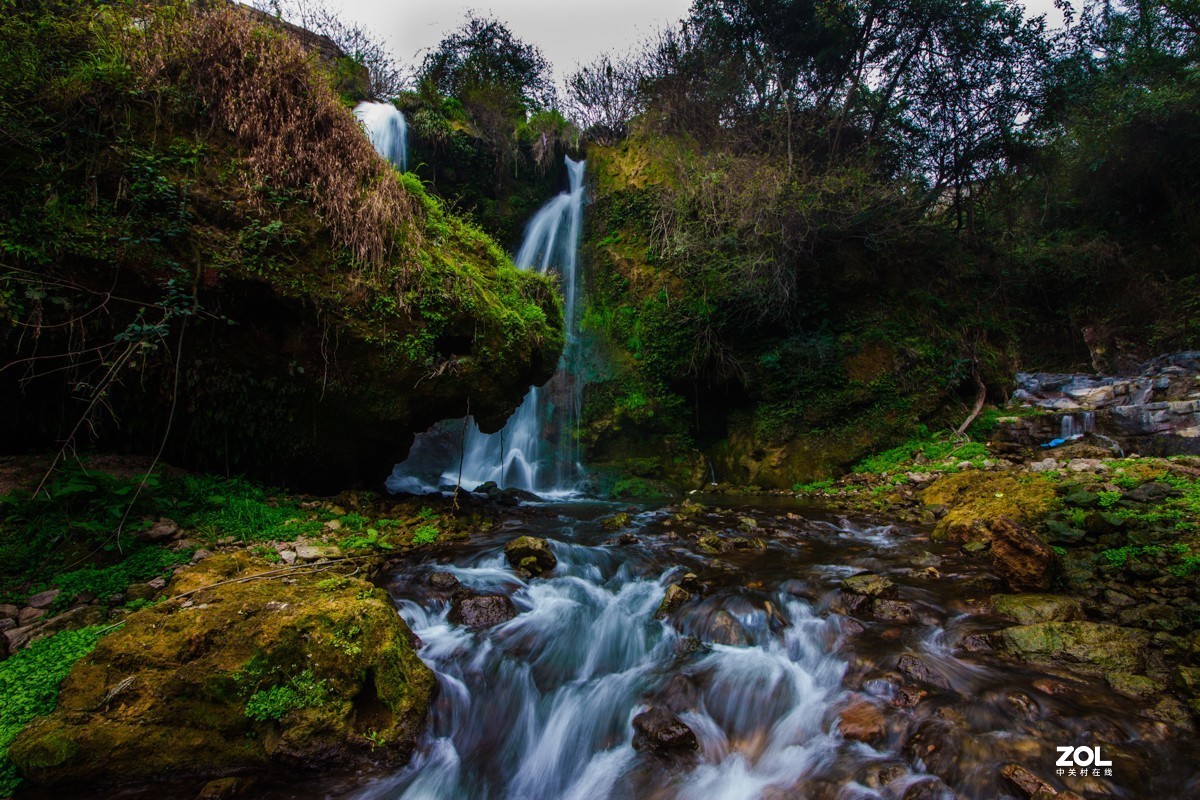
302,691
29,683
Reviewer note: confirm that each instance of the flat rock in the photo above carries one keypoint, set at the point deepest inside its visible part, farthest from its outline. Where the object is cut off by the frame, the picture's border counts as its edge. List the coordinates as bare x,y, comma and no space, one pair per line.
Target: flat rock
1028,609
1088,646
28,616
868,584
893,611
44,599
313,552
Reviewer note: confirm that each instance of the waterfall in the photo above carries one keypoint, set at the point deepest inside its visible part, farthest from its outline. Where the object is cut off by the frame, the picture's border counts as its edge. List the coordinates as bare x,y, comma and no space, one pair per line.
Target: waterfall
388,131
536,450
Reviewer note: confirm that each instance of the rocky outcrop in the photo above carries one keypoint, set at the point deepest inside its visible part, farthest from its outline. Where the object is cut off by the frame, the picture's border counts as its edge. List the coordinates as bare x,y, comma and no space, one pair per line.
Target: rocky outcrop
1083,646
249,668
1028,609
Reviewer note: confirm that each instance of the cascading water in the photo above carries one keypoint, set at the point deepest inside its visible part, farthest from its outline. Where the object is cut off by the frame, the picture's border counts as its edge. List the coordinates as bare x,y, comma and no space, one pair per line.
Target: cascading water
536,451
388,131
758,662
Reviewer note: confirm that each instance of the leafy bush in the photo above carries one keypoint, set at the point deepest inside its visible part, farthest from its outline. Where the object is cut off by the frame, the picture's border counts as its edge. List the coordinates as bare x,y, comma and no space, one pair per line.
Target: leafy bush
29,682
302,691
141,565
425,534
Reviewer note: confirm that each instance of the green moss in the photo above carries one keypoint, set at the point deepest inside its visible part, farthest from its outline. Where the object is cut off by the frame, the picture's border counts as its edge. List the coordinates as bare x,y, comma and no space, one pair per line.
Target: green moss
975,499
29,681
302,691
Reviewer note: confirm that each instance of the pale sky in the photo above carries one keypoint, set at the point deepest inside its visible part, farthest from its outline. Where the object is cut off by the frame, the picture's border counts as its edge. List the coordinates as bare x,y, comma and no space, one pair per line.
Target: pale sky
569,32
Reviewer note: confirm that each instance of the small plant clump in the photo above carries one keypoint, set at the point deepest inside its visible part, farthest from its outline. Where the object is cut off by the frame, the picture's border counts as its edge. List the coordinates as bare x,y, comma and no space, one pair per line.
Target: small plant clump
272,704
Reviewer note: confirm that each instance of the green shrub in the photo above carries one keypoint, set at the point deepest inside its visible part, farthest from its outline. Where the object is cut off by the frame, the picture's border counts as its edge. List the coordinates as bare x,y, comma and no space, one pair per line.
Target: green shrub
425,534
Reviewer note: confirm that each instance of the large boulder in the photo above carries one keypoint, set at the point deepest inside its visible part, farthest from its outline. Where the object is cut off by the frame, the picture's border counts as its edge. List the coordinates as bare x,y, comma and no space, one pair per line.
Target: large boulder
1084,646
481,611
1022,558
868,584
530,555
659,731
975,499
259,673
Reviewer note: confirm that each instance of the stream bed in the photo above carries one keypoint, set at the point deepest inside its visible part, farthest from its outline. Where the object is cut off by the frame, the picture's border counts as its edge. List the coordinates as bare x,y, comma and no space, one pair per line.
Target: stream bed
759,665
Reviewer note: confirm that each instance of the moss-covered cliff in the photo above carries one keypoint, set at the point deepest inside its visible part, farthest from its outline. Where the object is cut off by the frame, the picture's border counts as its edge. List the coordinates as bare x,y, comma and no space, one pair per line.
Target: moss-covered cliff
199,251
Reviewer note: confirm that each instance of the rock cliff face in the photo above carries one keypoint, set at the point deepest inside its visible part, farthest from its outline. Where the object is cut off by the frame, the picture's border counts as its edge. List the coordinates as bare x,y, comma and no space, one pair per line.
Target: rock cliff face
211,260
1155,411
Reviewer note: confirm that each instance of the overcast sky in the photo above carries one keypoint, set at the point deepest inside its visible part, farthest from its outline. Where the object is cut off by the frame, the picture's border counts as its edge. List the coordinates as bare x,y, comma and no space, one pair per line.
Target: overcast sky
569,32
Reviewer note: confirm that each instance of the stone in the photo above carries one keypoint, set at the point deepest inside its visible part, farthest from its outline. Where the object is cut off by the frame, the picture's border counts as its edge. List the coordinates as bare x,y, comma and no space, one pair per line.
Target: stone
1136,687
163,530
176,669
728,631
1045,465
313,552
444,581
893,611
658,731
691,583
481,611
1025,781
914,668
938,743
28,616
862,721
1030,608
868,584
18,637
221,789
530,555
288,556
675,597
1020,557
1152,492
200,555
44,599
7,624
157,584
9,611
1086,646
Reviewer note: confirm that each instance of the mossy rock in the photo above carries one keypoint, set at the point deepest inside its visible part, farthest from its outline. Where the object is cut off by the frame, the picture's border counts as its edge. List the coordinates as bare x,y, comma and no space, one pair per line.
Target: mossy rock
166,695
975,499
1091,647
1031,608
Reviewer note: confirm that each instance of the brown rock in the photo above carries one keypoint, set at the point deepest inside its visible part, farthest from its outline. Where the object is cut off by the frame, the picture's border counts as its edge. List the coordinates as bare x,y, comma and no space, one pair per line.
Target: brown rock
937,742
530,555
44,599
893,611
28,616
9,611
914,668
659,731
862,721
161,531
675,597
481,610
1021,557
221,789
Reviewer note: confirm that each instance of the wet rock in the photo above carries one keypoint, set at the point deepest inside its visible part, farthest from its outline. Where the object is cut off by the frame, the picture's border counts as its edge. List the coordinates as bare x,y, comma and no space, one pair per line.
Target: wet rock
712,544
481,611
1020,557
530,555
659,731
221,789
1030,608
163,530
616,521
44,599
691,583
1088,646
675,597
938,743
893,611
869,584
626,539
727,630
914,668
976,643
1023,704
862,721
443,581
908,696
1032,786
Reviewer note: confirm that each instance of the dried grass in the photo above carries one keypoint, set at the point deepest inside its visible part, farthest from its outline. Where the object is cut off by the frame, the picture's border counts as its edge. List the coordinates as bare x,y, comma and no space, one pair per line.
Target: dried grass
263,88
